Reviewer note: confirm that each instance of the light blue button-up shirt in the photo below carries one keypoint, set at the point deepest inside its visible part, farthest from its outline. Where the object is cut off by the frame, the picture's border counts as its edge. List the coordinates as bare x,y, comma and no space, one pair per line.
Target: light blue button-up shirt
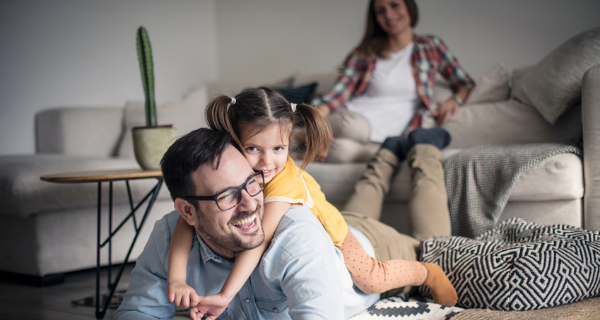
301,276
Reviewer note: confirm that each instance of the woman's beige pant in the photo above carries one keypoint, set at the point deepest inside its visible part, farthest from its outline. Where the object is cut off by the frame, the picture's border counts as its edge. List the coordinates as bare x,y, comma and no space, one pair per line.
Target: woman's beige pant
427,208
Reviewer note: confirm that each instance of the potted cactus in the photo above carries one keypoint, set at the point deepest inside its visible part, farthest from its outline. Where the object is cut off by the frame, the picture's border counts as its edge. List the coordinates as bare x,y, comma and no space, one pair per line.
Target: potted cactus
151,141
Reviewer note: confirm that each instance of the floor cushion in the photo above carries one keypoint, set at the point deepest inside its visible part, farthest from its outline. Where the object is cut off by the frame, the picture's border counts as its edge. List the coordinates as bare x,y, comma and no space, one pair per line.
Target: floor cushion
519,265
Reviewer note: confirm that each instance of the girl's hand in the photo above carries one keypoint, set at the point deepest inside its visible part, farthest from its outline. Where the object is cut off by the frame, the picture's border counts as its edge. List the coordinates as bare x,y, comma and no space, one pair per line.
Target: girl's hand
195,314
181,294
215,305
445,110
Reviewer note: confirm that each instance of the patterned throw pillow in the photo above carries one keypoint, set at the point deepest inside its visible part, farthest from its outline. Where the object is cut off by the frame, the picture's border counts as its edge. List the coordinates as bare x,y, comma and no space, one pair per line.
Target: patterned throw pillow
519,265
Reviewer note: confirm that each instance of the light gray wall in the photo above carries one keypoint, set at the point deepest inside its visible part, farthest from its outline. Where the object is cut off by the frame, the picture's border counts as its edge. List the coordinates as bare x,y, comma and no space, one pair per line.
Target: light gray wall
82,53
273,38
267,39
514,32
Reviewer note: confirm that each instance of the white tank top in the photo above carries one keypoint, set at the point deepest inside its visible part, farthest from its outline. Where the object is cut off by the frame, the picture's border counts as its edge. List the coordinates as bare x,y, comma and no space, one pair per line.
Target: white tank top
391,99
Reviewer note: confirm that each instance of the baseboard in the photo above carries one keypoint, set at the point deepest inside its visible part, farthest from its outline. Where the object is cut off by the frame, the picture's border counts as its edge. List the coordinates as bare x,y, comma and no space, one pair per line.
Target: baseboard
38,281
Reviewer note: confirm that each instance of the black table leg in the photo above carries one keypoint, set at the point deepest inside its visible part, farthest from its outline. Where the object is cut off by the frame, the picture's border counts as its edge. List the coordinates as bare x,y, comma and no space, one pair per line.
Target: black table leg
112,285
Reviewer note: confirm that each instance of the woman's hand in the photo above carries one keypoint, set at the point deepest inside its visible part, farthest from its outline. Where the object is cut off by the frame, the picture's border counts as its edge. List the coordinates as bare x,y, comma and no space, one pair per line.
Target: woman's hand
445,110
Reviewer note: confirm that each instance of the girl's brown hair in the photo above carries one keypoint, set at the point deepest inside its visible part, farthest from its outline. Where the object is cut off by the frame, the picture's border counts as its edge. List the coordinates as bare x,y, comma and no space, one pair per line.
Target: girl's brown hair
375,40
259,108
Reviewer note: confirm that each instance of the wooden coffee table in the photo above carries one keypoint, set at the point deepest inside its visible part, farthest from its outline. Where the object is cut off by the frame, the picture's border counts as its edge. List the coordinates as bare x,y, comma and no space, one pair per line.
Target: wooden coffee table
111,176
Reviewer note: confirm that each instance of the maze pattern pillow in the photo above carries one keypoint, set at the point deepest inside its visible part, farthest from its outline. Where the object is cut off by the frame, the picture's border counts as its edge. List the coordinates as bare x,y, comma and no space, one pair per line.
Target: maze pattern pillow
405,307
519,265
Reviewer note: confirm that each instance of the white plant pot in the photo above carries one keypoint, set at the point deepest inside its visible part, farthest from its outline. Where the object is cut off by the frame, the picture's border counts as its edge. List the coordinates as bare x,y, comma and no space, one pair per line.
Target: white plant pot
151,143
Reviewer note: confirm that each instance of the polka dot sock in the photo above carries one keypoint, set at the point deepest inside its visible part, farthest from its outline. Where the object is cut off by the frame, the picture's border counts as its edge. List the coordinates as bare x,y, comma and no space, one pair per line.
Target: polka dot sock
372,276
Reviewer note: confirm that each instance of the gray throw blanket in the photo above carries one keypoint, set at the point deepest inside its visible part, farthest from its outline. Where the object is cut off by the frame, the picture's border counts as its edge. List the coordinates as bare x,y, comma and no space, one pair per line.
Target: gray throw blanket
479,181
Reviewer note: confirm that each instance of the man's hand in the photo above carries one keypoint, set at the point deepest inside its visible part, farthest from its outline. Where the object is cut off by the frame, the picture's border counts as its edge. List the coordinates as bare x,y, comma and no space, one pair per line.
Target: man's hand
445,110
181,294
215,305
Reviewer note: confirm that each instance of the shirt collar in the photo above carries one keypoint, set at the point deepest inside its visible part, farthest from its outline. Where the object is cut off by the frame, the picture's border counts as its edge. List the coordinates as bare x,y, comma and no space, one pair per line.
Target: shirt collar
207,254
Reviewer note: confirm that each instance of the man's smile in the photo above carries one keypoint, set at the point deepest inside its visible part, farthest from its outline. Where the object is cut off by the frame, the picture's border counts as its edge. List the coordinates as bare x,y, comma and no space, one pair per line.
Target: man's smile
246,224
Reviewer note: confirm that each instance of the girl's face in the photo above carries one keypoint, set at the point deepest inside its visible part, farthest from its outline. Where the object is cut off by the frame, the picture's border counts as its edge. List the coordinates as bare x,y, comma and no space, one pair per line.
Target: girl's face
267,150
392,16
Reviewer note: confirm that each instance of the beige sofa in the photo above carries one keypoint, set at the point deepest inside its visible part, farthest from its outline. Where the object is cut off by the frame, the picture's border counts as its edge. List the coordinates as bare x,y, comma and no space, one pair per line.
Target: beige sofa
48,228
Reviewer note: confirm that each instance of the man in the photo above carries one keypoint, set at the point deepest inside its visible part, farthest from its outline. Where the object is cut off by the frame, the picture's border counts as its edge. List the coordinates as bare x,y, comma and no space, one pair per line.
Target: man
301,275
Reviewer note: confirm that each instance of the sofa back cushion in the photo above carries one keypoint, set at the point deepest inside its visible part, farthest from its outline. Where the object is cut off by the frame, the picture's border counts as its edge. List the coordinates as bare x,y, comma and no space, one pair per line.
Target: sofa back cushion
508,122
186,115
79,131
554,84
492,86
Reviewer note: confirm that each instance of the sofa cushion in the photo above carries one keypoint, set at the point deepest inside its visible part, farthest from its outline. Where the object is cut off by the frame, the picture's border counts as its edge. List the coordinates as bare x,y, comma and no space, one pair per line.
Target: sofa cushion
559,177
554,84
519,265
509,121
90,131
22,193
186,115
517,76
492,86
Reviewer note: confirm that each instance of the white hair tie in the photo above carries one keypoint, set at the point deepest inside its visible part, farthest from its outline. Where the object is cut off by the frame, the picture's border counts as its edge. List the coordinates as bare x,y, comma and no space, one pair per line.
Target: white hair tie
293,106
232,101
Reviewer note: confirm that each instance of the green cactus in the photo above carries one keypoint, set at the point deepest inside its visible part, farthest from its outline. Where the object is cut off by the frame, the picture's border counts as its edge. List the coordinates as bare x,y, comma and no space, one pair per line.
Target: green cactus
144,50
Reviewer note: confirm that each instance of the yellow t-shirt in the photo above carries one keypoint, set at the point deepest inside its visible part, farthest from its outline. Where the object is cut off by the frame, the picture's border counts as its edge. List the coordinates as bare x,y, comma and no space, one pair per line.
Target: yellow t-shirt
298,187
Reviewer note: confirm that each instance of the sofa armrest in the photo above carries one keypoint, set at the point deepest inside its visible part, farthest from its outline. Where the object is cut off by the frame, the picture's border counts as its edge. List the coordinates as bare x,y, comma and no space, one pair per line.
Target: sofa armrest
23,193
590,109
86,131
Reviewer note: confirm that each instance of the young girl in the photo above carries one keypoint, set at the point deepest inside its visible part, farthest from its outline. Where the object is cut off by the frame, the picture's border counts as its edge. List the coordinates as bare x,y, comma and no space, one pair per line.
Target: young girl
261,120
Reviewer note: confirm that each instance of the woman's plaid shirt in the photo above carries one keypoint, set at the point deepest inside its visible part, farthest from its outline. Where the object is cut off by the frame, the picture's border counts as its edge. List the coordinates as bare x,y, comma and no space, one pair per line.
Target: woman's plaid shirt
430,55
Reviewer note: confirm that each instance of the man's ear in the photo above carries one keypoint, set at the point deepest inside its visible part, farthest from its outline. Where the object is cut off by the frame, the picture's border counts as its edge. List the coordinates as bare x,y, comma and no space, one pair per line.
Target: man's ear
186,211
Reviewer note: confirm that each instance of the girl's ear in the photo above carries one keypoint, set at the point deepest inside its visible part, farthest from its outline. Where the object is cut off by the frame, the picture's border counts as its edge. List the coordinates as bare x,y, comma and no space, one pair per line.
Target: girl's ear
186,211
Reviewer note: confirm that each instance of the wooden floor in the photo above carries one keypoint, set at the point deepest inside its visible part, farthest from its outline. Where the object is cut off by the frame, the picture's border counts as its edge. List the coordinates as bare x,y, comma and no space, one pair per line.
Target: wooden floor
53,302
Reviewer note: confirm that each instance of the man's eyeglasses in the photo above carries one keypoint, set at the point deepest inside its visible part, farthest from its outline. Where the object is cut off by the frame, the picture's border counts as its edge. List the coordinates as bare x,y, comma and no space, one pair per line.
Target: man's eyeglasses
231,197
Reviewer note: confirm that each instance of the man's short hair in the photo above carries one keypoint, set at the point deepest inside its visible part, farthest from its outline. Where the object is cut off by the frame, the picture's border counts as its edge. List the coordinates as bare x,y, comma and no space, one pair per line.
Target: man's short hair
189,152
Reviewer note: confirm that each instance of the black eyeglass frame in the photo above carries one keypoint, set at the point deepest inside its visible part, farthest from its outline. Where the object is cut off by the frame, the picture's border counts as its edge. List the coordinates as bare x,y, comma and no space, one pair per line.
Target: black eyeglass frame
239,189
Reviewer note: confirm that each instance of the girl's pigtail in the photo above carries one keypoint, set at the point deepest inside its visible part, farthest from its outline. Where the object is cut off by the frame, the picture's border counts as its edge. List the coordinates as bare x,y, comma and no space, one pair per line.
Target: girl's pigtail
318,132
217,118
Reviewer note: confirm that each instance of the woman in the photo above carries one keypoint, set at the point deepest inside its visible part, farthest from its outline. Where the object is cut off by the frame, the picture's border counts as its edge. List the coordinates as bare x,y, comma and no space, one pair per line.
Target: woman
387,83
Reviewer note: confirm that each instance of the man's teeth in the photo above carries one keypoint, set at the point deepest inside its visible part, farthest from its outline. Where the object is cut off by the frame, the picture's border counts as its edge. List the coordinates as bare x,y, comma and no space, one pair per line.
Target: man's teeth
242,222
